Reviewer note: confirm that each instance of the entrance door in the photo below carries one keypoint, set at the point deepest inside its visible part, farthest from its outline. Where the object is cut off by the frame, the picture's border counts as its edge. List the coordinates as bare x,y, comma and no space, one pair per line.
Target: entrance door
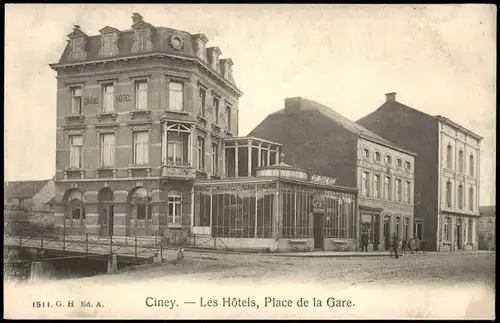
387,233
459,234
319,229
107,220
376,232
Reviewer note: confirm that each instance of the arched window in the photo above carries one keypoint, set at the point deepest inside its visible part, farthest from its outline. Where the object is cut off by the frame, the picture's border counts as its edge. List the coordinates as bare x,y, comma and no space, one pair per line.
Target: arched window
174,207
75,212
461,161
471,165
448,156
140,204
106,210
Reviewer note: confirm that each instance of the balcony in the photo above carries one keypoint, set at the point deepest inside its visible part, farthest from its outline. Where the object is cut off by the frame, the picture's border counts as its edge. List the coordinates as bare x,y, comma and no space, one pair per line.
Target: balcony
178,170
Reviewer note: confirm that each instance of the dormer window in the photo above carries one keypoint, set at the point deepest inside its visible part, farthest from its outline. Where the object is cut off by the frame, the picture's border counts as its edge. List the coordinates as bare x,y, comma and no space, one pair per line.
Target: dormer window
109,41
77,44
142,34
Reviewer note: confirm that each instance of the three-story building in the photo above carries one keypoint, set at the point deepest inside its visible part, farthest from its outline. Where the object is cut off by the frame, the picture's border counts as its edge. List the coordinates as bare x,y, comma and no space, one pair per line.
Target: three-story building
324,142
447,168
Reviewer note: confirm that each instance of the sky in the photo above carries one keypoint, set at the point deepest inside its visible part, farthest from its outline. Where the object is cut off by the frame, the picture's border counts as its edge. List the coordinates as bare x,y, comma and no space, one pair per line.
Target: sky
440,59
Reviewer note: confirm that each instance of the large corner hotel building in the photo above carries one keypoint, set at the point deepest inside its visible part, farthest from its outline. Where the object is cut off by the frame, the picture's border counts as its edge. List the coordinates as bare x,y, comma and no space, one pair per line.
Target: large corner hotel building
147,125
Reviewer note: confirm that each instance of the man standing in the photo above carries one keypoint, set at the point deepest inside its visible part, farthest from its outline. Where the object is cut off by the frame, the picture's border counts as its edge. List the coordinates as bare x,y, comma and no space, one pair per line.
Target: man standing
364,241
395,245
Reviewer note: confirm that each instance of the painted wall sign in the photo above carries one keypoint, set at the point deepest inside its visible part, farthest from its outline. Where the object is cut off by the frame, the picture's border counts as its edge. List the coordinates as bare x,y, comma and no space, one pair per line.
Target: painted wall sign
124,98
91,100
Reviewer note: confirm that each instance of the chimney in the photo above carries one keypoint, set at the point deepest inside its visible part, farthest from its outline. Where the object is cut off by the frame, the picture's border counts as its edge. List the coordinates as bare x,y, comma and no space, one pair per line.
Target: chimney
200,42
213,54
226,68
76,27
136,18
390,96
293,105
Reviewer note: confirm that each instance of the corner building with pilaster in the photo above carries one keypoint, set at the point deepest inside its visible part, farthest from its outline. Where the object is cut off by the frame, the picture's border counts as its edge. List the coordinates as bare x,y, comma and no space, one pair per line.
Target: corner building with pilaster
147,124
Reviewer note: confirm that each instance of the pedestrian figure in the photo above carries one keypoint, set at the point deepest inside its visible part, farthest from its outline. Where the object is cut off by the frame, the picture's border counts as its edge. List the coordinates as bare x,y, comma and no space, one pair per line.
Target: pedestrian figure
411,245
403,245
423,246
364,241
395,246
417,244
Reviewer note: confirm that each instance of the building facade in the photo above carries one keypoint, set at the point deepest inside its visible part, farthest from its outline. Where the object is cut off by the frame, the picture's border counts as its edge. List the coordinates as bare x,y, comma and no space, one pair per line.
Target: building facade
322,141
447,185
29,195
147,125
487,228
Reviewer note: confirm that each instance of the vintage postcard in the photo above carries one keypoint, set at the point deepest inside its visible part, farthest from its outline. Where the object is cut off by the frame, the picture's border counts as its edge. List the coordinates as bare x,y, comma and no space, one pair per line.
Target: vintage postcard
177,161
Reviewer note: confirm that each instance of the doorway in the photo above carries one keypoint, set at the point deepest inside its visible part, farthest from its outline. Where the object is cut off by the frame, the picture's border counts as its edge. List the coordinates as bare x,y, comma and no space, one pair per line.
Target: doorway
459,234
387,233
319,229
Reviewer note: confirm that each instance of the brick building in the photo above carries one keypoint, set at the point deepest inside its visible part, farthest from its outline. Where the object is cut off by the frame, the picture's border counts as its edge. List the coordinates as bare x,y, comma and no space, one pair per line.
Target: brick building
318,139
29,195
447,172
147,124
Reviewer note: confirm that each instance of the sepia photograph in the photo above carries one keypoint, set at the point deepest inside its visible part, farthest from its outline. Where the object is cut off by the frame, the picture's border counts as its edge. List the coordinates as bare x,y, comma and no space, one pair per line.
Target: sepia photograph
250,161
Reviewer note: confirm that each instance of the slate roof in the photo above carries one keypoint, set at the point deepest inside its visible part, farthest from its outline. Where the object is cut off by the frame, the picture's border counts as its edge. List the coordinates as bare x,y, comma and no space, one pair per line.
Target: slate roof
487,211
347,124
23,189
393,105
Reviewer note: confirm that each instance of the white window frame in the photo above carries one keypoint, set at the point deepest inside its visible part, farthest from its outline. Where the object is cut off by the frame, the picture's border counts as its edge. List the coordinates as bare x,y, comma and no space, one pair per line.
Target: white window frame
141,95
229,113
172,153
460,196
172,105
215,158
471,199
142,147
448,193
76,98
376,186
449,151
75,161
446,230
202,98
107,150
365,184
407,192
461,161
216,108
200,153
471,165
388,193
398,190
175,201
108,102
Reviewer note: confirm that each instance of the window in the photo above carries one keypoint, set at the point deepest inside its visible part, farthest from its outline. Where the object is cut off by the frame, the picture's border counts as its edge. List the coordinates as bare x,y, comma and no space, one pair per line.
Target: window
460,196
377,156
398,227
228,117
448,156
398,190
469,230
215,158
141,208
407,192
108,93
175,152
407,165
174,208
200,148
202,100
176,96
140,153
446,229
406,228
107,44
388,159
364,184
75,151
142,36
216,110
366,153
399,162
376,186
471,165
141,95
76,101
471,199
107,150
461,161
418,230
387,189
448,194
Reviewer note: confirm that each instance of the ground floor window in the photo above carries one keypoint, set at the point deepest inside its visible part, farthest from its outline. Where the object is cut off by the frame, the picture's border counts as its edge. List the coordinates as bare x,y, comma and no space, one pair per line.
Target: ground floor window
297,207
339,217
469,230
240,213
174,208
446,229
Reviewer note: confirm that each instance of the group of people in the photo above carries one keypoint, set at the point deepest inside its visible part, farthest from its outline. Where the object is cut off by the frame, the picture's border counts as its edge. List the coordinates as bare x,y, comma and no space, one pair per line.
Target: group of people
397,245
